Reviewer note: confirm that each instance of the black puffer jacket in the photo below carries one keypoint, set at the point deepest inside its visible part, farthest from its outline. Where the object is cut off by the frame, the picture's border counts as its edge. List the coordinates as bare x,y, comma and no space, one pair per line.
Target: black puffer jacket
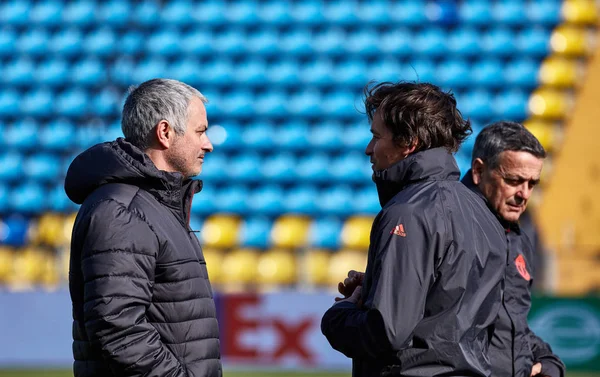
432,287
142,302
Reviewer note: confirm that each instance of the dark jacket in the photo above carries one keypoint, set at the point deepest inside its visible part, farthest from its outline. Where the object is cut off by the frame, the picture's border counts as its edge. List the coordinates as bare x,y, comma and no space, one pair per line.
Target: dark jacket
433,280
515,348
142,302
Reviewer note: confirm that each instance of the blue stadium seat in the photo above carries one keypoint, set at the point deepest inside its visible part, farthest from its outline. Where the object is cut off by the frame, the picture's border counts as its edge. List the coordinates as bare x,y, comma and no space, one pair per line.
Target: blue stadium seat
511,104
279,167
351,167
351,72
238,103
313,167
357,136
251,72
361,42
28,197
11,166
15,228
42,167
307,12
210,13
131,43
329,40
9,101
476,104
292,136
366,200
296,42
242,13
266,200
373,13
3,199
213,168
80,13
115,13
325,232
283,72
326,136
100,42
522,73
547,12
307,102
106,102
340,104
408,12
533,41
464,163
255,232
33,42
221,72
274,13
147,13
509,12
442,12
122,70
453,74
178,13
164,42
301,199
395,41
421,70
149,68
316,72
196,223
465,41
72,102
226,136
245,167
8,41
89,134
198,42
57,135
336,200
66,42
476,12
499,41
339,12
18,72
271,103
264,41
487,73
15,12
204,202
231,199
113,131
385,70
52,72
431,42
37,102
88,72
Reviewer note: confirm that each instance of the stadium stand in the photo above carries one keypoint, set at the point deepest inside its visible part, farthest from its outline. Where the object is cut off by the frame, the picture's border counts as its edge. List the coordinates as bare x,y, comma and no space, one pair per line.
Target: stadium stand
287,195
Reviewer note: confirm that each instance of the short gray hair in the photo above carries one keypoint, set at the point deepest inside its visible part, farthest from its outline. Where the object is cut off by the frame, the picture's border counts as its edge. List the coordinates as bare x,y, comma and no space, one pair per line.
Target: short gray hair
505,136
152,101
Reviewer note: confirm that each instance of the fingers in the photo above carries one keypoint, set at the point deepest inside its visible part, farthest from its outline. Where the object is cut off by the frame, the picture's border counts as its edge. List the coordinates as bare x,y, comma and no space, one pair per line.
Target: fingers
536,369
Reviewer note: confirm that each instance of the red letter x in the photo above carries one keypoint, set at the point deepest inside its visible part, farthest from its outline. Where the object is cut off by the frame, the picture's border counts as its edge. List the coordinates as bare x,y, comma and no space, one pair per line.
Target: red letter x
291,339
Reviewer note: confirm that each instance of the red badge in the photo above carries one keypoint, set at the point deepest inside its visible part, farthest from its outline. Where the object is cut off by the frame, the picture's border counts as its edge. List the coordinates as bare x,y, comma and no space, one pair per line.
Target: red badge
522,268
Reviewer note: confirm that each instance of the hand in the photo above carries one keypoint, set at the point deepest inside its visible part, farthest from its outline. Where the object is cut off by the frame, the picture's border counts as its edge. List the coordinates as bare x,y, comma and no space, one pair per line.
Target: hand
354,298
353,280
536,369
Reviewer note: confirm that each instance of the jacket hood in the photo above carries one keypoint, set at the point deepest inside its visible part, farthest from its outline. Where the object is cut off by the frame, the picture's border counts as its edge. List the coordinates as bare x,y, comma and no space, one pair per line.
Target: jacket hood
435,164
121,162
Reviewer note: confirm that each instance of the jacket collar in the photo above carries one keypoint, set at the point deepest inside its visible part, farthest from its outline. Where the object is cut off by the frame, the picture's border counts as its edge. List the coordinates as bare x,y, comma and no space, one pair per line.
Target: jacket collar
435,164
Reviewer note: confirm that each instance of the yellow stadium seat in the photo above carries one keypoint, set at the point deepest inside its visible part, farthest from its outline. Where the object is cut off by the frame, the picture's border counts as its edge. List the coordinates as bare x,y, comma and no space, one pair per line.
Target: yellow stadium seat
315,267
221,231
356,232
277,267
546,132
549,103
343,261
240,267
6,264
50,230
214,260
583,12
28,266
50,276
571,41
560,72
68,224
290,231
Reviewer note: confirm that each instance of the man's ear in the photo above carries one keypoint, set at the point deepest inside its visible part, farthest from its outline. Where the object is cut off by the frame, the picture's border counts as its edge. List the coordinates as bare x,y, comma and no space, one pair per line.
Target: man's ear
477,169
409,149
164,134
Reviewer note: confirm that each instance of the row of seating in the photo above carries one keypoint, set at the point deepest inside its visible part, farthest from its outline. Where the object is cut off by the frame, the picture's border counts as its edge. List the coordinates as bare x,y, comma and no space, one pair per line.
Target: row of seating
252,12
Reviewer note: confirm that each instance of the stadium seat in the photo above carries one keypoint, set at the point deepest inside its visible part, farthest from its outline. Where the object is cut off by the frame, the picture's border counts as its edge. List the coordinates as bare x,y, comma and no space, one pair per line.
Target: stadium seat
147,13
274,13
293,136
421,70
212,168
8,39
408,12
328,41
339,104
326,136
549,104
244,167
4,192
88,72
431,42
510,104
283,72
509,12
255,232
290,231
106,102
314,270
49,230
6,264
487,73
465,41
231,199
11,166
53,72
453,74
214,264
571,41
307,12
313,167
22,134
37,102
351,167
149,68
545,12
356,136
325,232
57,198
114,13
19,72
210,13
560,72
376,13
32,42
396,41
442,12
239,267
42,167
79,13
356,232
300,199
266,200
89,134
263,42
66,42
544,131
164,42
521,73
9,101
277,267
582,12
258,136
361,42
475,12
237,103
476,104
250,72
351,72
335,200
295,42
14,230
100,42
499,41
179,13
72,102
226,136
242,13
316,72
339,12
15,12
131,43
229,42
366,200
204,201
343,261
27,198
307,102
196,43
220,231
533,42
